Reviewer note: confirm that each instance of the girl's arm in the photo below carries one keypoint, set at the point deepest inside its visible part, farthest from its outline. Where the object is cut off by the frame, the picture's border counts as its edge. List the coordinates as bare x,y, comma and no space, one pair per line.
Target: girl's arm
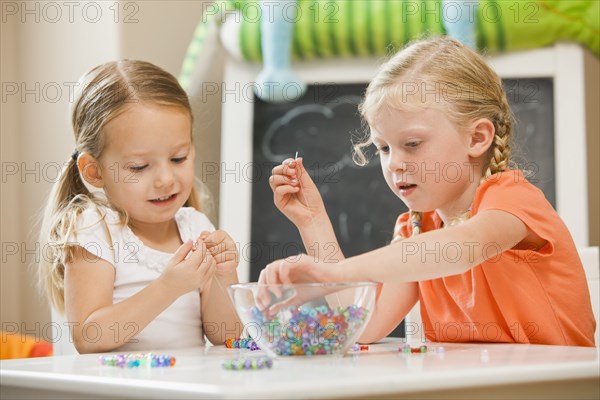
431,255
394,301
98,324
297,197
444,252
219,318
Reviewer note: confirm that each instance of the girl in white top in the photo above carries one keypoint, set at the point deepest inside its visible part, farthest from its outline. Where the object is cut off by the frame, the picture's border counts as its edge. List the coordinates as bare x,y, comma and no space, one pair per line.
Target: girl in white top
134,264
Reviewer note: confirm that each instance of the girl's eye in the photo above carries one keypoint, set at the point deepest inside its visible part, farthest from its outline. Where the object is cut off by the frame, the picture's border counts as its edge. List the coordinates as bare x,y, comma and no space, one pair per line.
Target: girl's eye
178,160
383,149
137,168
413,144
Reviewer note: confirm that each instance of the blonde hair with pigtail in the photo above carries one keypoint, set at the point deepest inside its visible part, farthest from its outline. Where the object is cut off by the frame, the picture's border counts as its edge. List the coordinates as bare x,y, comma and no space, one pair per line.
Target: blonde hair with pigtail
102,94
440,73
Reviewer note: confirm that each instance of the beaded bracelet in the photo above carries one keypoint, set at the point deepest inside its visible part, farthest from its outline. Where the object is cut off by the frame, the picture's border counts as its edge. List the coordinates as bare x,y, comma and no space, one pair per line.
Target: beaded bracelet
137,360
248,363
405,348
247,343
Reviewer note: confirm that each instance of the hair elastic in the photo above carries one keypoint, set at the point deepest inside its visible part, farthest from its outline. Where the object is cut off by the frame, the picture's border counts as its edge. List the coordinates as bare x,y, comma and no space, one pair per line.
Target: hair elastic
75,155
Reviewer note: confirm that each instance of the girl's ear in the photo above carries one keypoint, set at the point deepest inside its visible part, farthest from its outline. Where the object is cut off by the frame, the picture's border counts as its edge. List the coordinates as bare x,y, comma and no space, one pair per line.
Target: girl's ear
89,168
482,137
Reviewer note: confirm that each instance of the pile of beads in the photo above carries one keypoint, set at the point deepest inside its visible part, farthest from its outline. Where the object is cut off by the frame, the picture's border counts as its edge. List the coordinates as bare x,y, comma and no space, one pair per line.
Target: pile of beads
310,330
248,363
405,348
137,360
239,343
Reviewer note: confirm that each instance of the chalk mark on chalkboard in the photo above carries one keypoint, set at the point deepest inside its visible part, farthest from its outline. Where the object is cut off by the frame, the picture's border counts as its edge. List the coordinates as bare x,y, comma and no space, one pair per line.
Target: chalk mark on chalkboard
312,132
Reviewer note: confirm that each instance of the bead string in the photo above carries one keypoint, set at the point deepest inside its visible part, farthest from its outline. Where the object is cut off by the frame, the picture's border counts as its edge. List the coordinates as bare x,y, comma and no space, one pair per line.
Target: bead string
248,363
137,360
314,224
239,343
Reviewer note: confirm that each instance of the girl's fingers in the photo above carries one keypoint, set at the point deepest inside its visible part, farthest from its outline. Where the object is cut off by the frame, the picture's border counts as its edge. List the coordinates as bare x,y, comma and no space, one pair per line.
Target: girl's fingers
204,235
221,246
226,256
198,255
282,191
279,180
287,301
284,273
215,241
288,168
273,277
182,252
263,296
214,238
301,175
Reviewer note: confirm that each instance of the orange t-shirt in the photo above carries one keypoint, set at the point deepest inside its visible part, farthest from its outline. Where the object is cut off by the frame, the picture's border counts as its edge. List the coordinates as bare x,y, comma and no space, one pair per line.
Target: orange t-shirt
521,296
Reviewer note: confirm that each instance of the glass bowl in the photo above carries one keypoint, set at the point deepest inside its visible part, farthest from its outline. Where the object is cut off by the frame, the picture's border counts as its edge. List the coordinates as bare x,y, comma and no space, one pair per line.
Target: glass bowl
304,319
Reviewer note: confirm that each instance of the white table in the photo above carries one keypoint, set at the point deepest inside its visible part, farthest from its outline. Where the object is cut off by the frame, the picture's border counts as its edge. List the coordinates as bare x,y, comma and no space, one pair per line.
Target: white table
461,371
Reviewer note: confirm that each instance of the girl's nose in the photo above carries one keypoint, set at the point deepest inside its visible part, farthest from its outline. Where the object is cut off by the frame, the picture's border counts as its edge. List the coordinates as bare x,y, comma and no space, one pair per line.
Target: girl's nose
164,178
395,163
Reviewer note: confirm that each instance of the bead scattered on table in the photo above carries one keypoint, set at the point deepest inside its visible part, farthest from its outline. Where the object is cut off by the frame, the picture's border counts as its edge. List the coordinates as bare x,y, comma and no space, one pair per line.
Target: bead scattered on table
148,360
244,363
407,349
239,343
311,330
359,347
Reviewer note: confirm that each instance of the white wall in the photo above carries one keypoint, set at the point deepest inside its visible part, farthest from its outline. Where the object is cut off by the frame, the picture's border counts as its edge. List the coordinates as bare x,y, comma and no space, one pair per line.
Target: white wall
47,46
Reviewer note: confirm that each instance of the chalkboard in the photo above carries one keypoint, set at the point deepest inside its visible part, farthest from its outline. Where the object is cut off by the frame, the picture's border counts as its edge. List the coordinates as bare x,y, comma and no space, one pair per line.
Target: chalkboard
532,102
361,206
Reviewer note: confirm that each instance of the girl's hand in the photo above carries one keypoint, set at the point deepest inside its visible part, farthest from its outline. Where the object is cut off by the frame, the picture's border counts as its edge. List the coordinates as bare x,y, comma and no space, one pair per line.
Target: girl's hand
295,194
297,269
183,274
223,249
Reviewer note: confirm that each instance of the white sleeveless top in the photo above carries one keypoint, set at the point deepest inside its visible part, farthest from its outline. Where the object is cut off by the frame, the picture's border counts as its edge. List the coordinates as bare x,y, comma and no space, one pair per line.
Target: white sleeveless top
136,265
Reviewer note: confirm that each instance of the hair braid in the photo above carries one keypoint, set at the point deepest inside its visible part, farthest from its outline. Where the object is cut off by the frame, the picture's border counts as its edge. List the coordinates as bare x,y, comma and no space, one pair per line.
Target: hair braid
500,149
415,220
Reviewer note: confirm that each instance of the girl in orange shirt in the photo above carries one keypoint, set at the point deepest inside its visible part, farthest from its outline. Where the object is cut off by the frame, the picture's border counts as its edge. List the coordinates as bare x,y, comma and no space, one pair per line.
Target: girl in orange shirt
504,268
